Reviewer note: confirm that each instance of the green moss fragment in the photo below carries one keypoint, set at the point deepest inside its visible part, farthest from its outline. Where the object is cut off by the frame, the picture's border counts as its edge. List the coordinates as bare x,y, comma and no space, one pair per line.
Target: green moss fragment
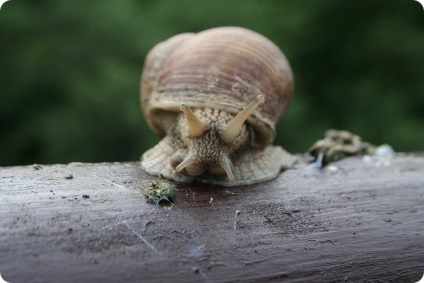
160,190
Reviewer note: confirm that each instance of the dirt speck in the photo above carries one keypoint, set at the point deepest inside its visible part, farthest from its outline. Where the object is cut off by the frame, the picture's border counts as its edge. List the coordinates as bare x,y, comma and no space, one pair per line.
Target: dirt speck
37,167
69,177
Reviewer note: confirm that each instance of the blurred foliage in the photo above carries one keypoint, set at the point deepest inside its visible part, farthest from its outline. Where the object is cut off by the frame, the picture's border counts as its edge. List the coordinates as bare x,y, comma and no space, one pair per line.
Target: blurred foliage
70,71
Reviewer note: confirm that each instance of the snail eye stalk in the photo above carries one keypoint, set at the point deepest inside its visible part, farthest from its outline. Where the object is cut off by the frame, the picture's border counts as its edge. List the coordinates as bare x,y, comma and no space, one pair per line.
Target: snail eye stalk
195,126
232,129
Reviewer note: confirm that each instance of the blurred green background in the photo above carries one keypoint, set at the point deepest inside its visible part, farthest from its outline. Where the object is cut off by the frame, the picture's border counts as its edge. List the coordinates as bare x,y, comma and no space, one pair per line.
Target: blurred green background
70,71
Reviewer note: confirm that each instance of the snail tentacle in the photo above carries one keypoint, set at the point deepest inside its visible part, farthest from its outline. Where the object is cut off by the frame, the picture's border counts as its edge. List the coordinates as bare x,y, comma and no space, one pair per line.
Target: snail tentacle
187,162
232,129
226,165
195,126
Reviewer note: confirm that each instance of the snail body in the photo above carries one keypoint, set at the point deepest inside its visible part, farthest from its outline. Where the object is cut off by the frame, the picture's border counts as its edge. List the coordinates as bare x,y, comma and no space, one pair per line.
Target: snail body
214,98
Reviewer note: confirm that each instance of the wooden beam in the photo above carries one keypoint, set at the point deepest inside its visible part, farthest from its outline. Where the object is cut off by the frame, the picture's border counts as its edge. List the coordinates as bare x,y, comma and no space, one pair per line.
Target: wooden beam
351,222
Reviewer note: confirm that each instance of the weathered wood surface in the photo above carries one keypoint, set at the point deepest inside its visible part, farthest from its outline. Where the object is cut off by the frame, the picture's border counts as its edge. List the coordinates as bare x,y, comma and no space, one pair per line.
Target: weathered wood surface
90,223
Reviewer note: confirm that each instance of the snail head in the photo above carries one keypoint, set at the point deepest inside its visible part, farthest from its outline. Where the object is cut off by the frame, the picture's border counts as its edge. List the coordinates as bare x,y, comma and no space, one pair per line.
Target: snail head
210,137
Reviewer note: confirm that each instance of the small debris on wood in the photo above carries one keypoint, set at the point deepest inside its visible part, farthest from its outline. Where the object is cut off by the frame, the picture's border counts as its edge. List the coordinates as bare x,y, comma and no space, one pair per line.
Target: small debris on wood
37,167
195,269
338,144
160,190
69,177
382,156
384,150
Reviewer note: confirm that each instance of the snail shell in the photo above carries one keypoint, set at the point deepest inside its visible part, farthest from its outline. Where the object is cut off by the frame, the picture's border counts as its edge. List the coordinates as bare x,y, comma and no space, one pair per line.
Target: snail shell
215,98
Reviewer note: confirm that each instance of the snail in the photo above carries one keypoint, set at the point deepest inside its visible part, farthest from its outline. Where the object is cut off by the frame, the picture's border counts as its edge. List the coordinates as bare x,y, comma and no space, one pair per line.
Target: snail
214,98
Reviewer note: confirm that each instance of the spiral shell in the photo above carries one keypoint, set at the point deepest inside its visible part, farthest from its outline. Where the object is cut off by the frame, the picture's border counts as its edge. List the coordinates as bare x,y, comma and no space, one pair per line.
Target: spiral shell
223,69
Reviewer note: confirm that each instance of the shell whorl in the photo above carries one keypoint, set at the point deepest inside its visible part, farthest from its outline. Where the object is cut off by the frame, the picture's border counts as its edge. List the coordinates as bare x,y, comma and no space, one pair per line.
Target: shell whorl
223,68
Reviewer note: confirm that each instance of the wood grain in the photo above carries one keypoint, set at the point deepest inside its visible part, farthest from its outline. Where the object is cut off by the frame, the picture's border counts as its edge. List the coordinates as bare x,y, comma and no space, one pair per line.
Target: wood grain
351,222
